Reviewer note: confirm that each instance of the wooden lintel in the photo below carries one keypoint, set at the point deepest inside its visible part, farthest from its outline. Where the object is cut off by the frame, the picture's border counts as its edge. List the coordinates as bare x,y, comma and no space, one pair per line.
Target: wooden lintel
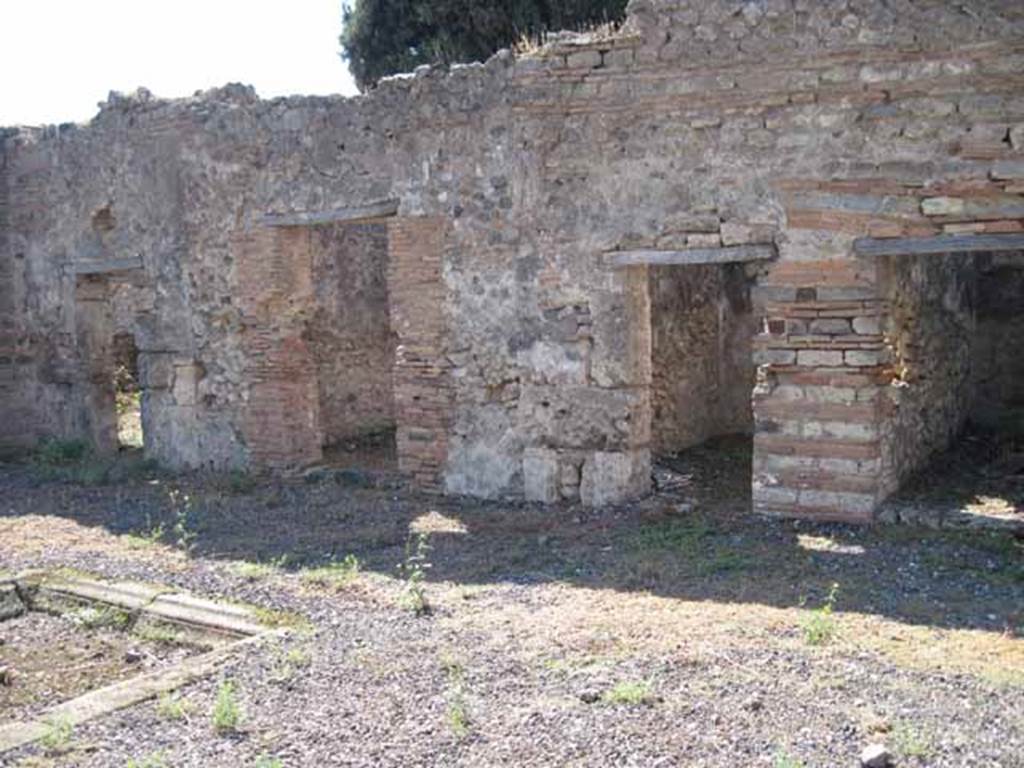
353,215
912,246
724,255
107,265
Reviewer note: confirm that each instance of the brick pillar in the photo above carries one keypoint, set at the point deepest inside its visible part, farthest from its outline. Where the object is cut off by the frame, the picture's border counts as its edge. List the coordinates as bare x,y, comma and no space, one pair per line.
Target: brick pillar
422,373
818,405
280,420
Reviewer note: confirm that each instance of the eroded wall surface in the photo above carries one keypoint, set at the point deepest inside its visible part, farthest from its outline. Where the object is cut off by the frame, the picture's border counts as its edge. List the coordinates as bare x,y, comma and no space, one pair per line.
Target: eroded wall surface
523,360
931,328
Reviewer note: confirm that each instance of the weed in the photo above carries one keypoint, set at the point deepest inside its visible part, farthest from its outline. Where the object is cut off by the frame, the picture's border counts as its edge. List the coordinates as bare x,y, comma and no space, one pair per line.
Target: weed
184,535
457,711
148,537
56,739
723,561
253,571
266,761
240,482
173,707
908,741
271,617
298,657
157,633
94,617
686,535
334,574
783,759
413,570
152,760
287,663
57,453
819,627
631,693
227,715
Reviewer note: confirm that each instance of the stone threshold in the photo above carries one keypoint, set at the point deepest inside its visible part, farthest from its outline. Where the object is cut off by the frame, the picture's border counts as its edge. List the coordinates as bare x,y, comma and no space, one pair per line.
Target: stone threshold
236,627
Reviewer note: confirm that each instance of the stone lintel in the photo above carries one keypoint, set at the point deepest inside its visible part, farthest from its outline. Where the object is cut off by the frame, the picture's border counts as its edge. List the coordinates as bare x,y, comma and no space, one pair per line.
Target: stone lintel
107,265
724,255
351,215
911,246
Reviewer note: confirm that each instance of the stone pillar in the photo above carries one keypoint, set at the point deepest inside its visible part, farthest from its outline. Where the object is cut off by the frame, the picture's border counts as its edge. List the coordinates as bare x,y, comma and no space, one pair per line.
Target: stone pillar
819,405
422,372
95,335
280,419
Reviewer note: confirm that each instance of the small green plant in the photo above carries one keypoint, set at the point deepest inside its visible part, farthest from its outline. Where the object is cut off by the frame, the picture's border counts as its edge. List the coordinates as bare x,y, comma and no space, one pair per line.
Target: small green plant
240,482
157,633
173,707
266,761
148,536
55,453
287,663
819,627
783,759
251,571
95,617
631,693
908,741
152,760
184,535
413,570
56,739
457,709
227,714
336,573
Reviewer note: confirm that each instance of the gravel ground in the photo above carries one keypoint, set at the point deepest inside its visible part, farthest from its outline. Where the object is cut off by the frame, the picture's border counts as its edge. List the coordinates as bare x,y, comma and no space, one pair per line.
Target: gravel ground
676,632
54,658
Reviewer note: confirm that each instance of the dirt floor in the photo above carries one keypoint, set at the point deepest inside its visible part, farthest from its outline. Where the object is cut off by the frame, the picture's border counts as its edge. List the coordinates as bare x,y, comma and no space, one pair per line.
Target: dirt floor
680,631
50,659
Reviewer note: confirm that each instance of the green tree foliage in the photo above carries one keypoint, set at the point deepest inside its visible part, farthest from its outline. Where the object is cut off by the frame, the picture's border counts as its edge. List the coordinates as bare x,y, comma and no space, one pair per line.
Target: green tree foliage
382,37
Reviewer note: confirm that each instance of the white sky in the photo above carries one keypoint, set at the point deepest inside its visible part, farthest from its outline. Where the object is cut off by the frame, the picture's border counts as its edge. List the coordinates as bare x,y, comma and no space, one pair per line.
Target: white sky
58,58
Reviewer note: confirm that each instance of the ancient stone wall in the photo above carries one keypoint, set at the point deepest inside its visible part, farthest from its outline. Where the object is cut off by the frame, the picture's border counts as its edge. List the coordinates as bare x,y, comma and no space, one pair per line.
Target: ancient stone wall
350,330
931,327
997,362
523,358
702,366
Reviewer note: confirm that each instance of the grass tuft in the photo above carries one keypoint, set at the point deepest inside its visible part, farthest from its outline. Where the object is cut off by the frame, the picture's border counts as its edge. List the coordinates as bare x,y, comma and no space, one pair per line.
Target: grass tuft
227,714
819,627
630,693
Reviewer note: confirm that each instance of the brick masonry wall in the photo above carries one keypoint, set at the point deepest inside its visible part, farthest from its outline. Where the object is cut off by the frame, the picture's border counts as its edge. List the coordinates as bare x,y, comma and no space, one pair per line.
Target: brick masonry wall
350,331
280,419
803,125
817,405
702,364
422,380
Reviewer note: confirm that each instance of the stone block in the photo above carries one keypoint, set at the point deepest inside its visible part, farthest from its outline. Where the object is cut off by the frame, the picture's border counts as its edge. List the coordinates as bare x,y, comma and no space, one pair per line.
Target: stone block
774,356
186,377
614,477
863,358
541,475
867,326
584,59
819,357
832,326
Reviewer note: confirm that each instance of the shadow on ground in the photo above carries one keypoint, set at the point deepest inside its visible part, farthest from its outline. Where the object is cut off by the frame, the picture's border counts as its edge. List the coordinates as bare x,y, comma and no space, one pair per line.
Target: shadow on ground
695,542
